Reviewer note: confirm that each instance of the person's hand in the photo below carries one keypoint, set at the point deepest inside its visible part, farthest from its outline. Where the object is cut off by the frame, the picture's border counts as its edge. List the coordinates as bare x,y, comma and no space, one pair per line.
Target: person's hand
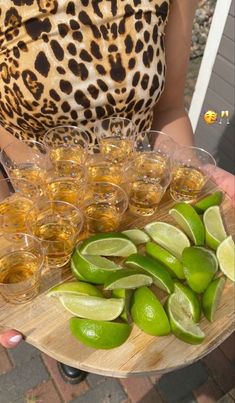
10,338
225,181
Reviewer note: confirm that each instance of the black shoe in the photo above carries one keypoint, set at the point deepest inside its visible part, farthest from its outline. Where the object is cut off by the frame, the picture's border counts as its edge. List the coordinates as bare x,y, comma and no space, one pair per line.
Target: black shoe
71,375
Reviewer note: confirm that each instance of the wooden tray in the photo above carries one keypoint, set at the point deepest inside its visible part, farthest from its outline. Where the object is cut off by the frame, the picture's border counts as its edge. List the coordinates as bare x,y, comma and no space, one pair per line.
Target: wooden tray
44,322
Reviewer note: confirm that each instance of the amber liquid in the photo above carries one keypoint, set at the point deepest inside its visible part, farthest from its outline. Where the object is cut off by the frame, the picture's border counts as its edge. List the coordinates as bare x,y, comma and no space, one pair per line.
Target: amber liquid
186,183
13,213
153,166
105,173
32,173
20,268
67,161
102,217
66,189
116,149
145,196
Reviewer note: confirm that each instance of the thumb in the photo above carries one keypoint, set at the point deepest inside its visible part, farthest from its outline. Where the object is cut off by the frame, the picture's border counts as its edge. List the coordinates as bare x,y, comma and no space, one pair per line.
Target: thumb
10,338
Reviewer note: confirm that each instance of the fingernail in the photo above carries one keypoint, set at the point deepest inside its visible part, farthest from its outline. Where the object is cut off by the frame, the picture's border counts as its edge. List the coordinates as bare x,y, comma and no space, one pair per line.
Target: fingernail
15,339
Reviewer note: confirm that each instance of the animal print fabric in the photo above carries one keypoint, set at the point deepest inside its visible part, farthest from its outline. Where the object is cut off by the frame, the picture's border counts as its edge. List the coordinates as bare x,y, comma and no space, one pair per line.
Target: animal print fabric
73,62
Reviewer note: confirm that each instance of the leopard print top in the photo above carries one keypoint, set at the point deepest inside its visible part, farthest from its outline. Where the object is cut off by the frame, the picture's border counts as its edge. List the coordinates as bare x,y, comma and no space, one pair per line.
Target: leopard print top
73,62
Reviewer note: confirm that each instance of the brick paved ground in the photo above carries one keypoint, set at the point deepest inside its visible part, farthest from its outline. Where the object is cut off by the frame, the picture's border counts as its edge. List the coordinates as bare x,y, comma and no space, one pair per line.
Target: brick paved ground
28,376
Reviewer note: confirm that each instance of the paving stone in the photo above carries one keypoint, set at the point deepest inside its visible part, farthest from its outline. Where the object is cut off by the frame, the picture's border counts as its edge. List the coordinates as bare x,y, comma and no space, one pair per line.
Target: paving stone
189,399
232,393
226,399
109,391
29,371
221,369
94,379
140,389
228,348
67,391
209,392
6,364
177,385
43,393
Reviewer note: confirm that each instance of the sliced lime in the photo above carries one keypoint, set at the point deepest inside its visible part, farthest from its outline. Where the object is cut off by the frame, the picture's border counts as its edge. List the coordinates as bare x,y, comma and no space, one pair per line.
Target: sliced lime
78,275
189,300
226,257
168,236
215,231
74,287
109,244
174,266
127,279
126,295
211,297
100,334
189,221
213,199
161,277
89,307
137,236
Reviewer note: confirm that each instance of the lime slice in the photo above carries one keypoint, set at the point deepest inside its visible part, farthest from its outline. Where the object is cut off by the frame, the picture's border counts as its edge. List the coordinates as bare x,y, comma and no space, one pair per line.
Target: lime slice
95,269
226,257
110,244
211,297
182,325
215,232
168,236
161,277
137,236
100,334
189,221
75,288
213,199
89,307
73,268
126,295
174,266
148,313
127,279
200,266
189,300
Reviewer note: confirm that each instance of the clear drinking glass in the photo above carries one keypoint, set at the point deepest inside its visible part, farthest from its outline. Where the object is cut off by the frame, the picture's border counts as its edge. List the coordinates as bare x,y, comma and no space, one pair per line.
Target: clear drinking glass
68,148
27,159
21,263
105,207
17,197
147,181
56,224
192,167
116,138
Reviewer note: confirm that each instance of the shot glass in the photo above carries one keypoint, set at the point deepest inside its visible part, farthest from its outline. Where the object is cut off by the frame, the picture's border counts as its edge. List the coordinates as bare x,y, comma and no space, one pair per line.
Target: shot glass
102,170
17,197
105,207
68,148
147,182
192,168
21,263
157,146
56,224
27,159
116,138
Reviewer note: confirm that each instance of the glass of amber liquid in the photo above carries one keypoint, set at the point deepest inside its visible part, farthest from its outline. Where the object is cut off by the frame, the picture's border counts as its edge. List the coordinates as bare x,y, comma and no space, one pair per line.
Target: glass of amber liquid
21,263
148,179
116,138
17,197
191,170
105,207
57,225
103,170
27,159
68,147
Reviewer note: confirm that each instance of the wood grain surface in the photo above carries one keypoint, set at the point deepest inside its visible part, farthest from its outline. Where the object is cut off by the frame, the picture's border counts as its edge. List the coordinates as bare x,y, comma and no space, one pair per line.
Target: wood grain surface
44,322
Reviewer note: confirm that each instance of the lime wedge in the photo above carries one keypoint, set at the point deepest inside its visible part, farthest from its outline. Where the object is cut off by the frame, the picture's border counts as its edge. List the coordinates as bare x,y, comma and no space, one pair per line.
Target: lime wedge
161,277
127,279
213,199
148,313
90,307
189,300
99,334
211,297
182,325
168,236
226,257
95,269
73,268
75,288
137,236
200,266
215,232
126,295
174,266
189,221
109,244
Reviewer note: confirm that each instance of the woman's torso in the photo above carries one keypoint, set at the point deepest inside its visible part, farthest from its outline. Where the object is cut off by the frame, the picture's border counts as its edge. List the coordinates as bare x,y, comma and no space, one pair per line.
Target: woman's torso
73,62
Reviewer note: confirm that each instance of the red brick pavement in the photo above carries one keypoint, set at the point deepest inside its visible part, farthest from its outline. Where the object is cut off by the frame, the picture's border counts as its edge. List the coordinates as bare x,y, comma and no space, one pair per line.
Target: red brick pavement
5,362
45,393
